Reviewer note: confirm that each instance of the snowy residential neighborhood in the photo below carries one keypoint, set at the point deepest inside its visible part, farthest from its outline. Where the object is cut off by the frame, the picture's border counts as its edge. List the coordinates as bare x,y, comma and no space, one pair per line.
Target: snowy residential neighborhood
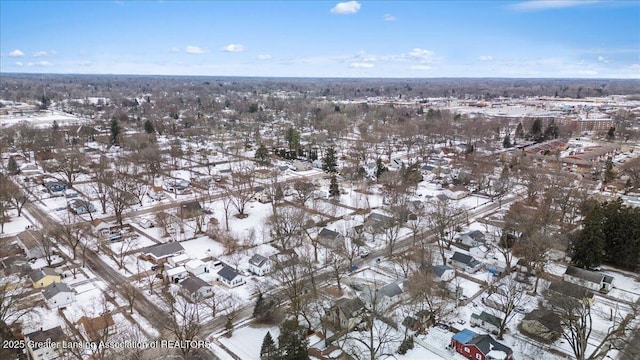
205,222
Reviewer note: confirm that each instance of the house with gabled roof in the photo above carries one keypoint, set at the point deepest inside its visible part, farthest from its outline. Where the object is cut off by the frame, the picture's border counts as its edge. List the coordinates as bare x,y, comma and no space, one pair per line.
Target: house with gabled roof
593,280
329,238
230,276
486,321
542,324
45,344
58,295
30,242
479,347
563,288
443,273
472,238
159,254
465,262
194,288
384,297
346,313
260,265
98,328
196,267
44,277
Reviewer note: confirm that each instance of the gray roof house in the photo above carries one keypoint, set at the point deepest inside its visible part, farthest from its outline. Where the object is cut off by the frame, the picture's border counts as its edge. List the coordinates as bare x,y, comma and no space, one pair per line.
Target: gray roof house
346,313
329,238
58,295
260,265
593,280
230,277
472,238
465,262
36,343
160,253
489,322
443,272
384,297
194,288
29,241
542,324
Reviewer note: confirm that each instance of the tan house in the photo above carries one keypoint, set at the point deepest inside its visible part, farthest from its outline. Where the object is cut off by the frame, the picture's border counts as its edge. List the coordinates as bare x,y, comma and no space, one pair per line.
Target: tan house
99,328
44,277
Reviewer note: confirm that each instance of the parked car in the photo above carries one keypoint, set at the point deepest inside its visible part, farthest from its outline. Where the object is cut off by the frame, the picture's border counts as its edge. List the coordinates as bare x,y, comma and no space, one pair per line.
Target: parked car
363,253
145,223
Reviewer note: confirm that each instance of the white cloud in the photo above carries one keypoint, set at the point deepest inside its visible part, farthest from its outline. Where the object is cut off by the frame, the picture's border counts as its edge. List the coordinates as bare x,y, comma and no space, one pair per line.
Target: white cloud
264,57
422,55
549,4
345,8
44,53
485,58
234,48
603,59
190,49
361,65
39,63
174,50
634,66
16,53
420,67
389,17
84,63
19,63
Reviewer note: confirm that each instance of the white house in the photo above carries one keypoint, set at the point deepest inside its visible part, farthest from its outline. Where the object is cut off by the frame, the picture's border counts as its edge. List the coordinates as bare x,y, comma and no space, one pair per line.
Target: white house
194,288
472,238
260,265
347,313
37,341
196,267
465,262
176,274
98,227
443,273
384,297
593,280
178,260
58,295
230,277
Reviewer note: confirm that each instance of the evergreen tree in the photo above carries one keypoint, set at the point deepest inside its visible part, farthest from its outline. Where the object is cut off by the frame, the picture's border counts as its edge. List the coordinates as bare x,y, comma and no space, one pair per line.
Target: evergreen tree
411,174
329,162
381,168
506,143
611,134
148,127
293,343
551,131
588,246
334,190
115,132
519,131
269,350
536,130
293,139
262,155
609,173
12,166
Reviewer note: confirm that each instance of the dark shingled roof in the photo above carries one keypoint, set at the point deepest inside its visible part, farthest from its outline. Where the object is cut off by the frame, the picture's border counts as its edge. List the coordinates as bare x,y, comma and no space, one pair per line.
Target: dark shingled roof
464,258
258,260
330,234
349,306
228,273
486,343
591,276
163,250
37,275
54,334
193,284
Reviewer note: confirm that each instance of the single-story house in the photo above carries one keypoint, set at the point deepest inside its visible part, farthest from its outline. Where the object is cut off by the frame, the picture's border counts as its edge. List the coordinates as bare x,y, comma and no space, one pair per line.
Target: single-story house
472,238
58,295
44,277
260,265
156,192
196,267
378,221
190,209
56,188
178,260
98,328
542,324
486,321
443,273
495,266
230,277
480,252
159,254
284,259
329,238
563,288
80,206
465,262
31,242
175,274
593,280
194,288
39,343
99,227
479,347
347,313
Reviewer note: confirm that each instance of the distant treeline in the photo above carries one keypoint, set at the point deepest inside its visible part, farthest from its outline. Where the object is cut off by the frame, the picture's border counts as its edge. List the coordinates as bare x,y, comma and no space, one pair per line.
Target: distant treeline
20,87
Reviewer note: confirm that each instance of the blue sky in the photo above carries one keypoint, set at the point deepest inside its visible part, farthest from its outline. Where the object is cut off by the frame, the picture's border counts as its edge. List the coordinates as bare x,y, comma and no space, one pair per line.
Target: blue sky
558,38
